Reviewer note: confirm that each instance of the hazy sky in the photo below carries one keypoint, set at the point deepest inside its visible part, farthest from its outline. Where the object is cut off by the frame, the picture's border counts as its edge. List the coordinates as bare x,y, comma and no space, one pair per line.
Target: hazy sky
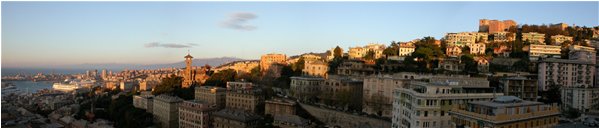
46,34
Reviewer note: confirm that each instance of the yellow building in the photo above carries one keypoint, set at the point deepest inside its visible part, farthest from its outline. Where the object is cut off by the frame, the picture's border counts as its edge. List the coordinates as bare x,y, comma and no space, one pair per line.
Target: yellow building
533,37
559,39
360,52
269,59
406,49
316,68
505,112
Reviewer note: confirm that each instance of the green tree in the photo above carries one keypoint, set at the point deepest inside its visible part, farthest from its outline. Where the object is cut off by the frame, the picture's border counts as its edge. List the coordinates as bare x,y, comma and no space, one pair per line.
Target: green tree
470,65
221,78
168,85
337,52
370,55
333,64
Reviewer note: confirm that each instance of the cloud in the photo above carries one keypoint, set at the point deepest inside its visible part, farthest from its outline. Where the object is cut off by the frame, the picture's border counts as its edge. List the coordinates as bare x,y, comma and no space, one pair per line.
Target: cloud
238,21
169,45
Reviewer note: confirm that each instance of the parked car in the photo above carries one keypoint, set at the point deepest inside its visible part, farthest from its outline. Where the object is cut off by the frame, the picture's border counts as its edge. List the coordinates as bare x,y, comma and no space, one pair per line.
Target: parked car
590,122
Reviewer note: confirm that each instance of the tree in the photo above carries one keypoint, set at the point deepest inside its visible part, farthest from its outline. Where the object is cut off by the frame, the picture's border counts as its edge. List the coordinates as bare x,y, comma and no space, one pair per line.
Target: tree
333,64
337,52
470,65
220,78
370,55
298,66
466,50
168,85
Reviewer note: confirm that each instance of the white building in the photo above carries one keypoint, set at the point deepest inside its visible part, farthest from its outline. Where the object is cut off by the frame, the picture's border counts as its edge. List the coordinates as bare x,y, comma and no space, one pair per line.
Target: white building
583,99
539,50
426,105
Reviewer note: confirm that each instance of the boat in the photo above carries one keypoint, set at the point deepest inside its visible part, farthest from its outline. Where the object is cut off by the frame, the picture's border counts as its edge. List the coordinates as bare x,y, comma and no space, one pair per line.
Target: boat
67,86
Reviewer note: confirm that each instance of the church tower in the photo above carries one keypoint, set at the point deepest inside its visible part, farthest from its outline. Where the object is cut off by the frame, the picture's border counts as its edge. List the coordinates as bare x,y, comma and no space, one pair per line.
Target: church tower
188,79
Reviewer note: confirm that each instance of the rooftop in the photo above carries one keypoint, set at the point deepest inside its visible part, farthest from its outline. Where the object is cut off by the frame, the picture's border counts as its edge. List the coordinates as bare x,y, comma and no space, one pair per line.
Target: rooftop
506,101
167,98
555,60
236,115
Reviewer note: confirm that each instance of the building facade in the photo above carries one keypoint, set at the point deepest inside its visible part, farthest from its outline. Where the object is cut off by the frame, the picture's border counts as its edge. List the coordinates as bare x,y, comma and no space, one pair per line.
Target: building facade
248,100
195,114
536,51
504,37
453,51
477,48
465,38
166,111
505,112
559,39
266,61
316,68
406,49
533,37
521,87
427,104
305,88
495,26
355,68
214,96
360,52
565,72
337,86
583,99
279,107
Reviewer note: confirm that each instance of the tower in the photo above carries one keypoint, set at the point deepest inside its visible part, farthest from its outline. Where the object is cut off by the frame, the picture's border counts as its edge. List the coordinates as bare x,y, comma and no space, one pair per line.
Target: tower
188,79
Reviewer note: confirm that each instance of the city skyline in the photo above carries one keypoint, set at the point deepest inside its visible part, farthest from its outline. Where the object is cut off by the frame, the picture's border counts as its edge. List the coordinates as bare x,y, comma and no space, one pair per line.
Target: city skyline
69,33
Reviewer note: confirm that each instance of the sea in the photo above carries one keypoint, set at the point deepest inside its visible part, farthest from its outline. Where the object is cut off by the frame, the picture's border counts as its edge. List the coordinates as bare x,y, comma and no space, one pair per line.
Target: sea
27,86
33,71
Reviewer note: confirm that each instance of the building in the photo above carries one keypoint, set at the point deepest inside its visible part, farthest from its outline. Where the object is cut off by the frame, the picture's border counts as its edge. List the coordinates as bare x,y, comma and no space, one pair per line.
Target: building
305,88
269,59
559,39
355,68
359,52
565,72
582,53
533,37
520,86
465,38
504,37
583,99
378,91
505,112
338,86
452,64
495,26
248,100
127,85
228,118
279,107
536,51
427,104
316,68
239,85
562,26
477,48
214,96
193,75
195,114
144,102
453,51
166,111
482,64
406,49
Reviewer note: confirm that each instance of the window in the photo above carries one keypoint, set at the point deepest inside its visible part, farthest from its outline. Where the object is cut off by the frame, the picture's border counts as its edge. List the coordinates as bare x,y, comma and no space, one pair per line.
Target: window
425,113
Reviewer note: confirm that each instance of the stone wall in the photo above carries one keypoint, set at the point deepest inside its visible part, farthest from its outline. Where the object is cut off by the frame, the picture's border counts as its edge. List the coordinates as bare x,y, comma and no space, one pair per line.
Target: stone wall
344,120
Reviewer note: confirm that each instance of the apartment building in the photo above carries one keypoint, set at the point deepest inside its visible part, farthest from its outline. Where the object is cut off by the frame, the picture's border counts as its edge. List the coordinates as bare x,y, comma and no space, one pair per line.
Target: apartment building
504,37
536,51
360,52
166,111
583,99
279,106
519,86
247,99
316,68
559,39
195,114
505,112
406,49
533,37
269,59
427,104
305,88
214,96
229,118
465,38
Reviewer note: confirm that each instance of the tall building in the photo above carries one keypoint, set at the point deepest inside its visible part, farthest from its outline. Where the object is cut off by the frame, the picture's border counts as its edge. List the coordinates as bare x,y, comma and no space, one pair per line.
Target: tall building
166,111
193,75
104,75
214,96
520,86
188,79
195,114
495,26
426,104
565,72
229,118
305,88
533,37
505,112
583,99
266,61
378,91
144,102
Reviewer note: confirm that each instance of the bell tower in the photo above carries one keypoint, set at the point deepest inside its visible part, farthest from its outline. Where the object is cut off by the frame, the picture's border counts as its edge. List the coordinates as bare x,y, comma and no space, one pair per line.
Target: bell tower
188,74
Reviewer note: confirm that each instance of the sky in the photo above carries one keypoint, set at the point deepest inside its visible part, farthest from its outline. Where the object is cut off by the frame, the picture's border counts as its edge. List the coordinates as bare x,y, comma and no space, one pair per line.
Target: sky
50,34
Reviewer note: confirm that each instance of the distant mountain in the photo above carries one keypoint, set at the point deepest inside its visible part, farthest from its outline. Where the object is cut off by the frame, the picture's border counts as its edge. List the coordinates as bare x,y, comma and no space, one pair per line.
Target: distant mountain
196,62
